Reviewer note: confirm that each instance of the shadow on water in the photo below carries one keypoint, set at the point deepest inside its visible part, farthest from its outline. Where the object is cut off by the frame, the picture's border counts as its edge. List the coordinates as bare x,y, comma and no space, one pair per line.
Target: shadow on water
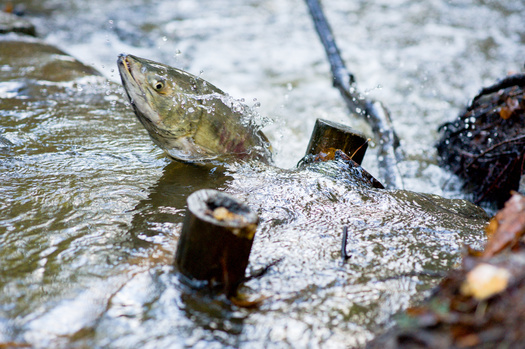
212,315
166,202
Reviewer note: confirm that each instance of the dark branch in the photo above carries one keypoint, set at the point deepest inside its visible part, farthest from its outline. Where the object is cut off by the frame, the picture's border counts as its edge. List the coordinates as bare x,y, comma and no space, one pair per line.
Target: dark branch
344,254
374,112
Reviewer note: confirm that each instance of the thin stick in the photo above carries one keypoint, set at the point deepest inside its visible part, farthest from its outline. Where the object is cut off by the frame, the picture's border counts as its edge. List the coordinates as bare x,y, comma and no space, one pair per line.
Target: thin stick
344,255
374,112
361,146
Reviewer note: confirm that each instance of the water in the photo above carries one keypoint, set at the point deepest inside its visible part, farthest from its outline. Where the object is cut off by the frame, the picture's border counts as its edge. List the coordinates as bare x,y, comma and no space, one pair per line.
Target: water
91,210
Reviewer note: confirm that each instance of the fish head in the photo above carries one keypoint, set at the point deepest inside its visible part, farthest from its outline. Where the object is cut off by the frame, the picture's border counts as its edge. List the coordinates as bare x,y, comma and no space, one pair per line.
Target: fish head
164,100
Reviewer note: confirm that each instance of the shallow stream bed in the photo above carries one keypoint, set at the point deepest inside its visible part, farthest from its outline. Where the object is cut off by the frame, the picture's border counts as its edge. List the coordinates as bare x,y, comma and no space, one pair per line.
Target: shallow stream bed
90,209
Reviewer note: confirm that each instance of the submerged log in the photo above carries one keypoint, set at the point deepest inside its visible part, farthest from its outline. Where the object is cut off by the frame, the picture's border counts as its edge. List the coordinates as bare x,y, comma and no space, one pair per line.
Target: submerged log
328,135
485,146
216,240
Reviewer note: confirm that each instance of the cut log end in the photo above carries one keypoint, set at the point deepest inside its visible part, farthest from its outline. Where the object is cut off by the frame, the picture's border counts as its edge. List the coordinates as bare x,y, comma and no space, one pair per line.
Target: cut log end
329,135
216,240
333,141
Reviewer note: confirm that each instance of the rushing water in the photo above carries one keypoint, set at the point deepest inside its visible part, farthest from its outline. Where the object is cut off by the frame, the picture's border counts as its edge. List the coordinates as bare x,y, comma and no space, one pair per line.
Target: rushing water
91,210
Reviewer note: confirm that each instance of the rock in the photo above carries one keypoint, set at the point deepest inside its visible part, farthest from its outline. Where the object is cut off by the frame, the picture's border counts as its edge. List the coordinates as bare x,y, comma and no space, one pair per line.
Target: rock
33,59
10,23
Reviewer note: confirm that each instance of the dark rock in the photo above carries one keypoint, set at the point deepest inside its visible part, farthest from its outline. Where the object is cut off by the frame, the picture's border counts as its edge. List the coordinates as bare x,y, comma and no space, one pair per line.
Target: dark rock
10,23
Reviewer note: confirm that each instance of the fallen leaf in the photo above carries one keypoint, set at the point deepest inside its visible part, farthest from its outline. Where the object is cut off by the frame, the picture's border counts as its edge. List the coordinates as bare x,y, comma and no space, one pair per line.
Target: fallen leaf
507,226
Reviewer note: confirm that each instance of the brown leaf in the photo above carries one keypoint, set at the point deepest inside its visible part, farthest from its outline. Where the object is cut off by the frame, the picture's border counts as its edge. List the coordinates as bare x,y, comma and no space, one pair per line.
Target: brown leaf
510,226
511,105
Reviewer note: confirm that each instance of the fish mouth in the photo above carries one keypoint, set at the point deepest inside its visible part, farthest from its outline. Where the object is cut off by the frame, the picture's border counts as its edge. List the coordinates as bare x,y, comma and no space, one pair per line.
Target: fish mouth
125,69
124,61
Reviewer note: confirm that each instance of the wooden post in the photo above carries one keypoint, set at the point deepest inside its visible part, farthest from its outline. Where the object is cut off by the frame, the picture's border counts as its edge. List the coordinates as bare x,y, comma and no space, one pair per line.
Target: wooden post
333,141
328,136
216,239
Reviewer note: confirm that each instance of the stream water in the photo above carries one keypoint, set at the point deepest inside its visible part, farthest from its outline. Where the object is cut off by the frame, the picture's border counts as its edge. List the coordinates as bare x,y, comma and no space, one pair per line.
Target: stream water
90,209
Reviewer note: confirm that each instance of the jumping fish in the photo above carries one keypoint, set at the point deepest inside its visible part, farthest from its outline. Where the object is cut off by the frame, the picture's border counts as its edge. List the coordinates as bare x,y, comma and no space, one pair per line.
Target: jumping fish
189,118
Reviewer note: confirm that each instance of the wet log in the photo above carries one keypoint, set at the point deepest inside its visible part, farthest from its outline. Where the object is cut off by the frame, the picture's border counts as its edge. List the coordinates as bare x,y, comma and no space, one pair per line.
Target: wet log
216,240
372,111
485,145
333,141
328,135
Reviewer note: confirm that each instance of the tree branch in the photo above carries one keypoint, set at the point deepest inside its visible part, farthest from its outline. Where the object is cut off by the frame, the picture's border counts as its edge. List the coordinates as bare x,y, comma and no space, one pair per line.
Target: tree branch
374,112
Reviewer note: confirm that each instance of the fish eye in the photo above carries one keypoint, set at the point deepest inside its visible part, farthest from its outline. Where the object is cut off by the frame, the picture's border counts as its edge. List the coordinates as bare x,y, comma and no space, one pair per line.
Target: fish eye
158,85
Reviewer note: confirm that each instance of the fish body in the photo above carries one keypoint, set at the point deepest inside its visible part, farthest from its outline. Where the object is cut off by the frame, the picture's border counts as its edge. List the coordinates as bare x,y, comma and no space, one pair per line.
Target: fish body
189,118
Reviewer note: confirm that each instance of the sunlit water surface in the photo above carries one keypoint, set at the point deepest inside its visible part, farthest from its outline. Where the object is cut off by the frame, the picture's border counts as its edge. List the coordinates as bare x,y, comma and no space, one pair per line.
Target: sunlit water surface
91,210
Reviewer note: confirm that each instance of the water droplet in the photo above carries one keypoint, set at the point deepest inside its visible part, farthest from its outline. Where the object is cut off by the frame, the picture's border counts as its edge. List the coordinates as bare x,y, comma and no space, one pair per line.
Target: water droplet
289,86
164,38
